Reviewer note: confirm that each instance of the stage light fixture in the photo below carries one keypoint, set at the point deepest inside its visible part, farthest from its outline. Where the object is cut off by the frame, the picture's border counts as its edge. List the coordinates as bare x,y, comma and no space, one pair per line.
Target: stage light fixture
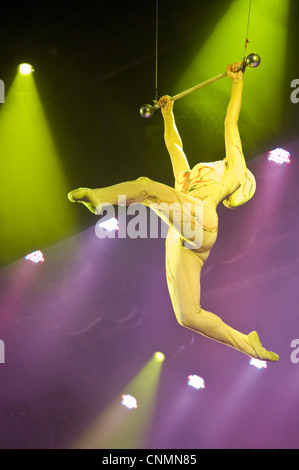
196,382
25,69
279,156
259,364
129,402
110,225
35,257
159,356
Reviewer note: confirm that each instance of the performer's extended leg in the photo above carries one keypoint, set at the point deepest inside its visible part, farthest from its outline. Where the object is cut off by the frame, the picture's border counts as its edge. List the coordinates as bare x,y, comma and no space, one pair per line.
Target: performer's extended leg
135,191
183,268
188,216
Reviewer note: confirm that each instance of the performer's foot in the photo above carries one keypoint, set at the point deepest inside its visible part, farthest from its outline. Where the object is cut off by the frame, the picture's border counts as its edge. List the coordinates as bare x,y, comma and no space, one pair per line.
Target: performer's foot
83,195
261,353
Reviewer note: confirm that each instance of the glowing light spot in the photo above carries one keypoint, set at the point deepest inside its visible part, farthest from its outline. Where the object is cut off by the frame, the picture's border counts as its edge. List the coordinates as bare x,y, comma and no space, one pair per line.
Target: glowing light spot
35,257
110,225
129,401
258,363
25,69
279,156
159,356
196,382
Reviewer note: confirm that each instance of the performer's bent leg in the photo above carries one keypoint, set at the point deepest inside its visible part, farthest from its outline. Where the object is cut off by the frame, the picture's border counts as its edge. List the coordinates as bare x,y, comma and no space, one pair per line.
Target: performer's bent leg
183,268
186,213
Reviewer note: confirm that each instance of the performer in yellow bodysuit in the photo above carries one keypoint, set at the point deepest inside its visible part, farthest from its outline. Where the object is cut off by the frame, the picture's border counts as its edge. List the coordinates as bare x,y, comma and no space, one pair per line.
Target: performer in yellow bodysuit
203,187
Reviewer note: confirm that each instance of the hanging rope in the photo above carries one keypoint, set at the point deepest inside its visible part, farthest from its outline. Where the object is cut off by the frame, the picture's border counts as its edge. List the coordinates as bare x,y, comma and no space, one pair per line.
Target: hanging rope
157,37
253,60
157,46
246,39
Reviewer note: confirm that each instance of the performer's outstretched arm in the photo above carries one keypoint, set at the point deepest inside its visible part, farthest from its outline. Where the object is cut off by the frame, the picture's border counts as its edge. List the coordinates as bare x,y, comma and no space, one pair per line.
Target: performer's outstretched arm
172,138
234,154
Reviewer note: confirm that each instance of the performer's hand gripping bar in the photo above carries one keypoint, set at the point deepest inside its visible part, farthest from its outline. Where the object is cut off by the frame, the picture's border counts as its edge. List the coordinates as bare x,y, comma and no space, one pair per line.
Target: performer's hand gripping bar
253,60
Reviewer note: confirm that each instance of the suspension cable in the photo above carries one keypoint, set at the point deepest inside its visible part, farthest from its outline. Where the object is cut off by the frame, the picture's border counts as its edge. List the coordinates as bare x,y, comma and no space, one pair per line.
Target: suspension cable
246,39
157,37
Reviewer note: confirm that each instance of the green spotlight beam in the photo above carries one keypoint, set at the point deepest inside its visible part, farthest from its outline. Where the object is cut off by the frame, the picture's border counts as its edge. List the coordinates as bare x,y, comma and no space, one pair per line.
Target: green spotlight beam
34,209
120,428
262,109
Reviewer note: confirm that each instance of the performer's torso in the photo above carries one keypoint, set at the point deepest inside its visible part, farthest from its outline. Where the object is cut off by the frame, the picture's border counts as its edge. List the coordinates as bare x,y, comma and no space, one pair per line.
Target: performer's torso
210,182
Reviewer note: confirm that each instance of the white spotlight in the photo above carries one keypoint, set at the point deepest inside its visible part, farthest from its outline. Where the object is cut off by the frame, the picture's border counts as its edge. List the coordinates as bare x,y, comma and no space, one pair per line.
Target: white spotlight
35,257
109,225
196,382
279,156
129,401
258,363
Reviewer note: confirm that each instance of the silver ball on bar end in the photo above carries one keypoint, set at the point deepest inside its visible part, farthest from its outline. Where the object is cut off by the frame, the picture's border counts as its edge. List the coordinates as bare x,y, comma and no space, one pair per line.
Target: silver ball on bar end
146,111
253,60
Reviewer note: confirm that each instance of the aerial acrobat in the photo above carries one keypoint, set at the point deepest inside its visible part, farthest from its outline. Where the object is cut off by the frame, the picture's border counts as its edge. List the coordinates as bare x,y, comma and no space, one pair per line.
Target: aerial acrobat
205,186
